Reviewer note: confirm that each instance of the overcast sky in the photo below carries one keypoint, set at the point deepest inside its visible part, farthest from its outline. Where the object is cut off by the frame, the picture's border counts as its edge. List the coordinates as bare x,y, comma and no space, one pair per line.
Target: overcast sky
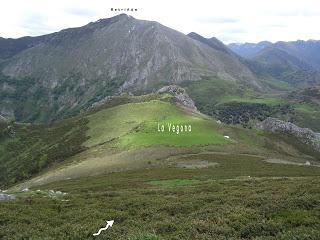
230,21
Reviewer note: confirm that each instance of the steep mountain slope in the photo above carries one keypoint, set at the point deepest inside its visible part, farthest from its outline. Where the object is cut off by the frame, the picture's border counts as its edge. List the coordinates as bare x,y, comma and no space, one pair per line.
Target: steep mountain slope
306,51
279,64
9,47
71,69
295,63
248,50
211,42
282,66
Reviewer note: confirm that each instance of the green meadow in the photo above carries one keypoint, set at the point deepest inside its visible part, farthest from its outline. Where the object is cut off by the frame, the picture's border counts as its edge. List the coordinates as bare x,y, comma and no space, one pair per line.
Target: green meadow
136,125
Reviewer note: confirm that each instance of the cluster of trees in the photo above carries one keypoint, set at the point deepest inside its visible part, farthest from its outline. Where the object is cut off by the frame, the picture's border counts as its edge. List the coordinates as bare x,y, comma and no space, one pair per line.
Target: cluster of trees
244,113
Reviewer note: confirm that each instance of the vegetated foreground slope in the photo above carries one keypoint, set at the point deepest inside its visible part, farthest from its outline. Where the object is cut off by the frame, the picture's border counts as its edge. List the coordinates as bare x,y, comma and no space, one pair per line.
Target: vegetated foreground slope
240,197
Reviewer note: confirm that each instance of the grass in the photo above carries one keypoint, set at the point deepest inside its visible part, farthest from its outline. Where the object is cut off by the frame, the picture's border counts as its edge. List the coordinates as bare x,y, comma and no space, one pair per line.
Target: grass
107,135
141,185
305,108
272,99
277,202
277,84
27,150
128,127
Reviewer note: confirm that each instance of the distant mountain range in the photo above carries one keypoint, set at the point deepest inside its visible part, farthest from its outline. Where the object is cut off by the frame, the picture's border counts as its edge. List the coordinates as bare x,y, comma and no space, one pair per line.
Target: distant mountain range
248,50
296,62
305,51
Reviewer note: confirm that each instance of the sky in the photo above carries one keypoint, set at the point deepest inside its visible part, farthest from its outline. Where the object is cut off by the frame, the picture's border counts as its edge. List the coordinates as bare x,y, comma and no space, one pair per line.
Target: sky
228,20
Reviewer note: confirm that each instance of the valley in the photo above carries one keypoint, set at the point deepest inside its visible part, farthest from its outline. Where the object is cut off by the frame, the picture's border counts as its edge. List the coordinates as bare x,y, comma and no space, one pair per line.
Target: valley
173,136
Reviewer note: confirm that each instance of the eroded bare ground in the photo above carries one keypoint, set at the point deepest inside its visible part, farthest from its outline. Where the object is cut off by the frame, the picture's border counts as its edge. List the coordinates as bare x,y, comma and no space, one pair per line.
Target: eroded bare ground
194,164
300,163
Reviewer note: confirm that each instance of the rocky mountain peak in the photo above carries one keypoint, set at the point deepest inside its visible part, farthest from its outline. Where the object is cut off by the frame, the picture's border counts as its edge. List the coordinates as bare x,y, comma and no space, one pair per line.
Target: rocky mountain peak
107,21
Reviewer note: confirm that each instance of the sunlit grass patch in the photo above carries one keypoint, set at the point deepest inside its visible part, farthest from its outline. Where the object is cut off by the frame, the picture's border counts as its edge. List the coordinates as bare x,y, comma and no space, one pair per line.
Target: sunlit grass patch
136,124
174,182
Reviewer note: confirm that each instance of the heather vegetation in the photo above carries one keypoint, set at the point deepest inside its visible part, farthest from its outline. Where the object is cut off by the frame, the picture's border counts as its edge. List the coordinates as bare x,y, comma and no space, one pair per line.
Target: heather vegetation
28,149
242,197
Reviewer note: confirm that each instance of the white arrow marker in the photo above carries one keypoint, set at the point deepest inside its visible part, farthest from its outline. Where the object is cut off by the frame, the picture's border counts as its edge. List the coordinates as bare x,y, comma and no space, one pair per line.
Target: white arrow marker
109,224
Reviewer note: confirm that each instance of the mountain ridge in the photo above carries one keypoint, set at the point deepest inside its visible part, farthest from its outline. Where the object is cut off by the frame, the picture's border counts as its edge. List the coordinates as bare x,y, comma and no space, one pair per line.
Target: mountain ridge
69,70
294,62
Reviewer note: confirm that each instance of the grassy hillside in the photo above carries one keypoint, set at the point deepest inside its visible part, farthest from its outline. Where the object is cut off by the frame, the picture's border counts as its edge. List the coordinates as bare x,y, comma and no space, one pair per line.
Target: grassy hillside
112,163
107,137
27,149
136,124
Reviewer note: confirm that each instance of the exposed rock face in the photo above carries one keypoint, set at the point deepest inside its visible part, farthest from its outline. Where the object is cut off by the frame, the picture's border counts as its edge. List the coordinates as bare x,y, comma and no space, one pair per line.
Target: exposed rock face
61,73
305,135
2,119
4,196
180,94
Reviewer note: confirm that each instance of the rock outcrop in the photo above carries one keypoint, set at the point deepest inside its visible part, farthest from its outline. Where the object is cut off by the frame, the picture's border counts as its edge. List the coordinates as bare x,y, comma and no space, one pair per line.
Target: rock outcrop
4,197
2,119
305,135
180,94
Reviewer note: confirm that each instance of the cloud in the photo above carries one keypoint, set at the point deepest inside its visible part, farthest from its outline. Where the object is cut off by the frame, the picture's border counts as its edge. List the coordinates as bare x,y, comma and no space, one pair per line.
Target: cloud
295,12
219,20
35,24
228,20
235,30
81,12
